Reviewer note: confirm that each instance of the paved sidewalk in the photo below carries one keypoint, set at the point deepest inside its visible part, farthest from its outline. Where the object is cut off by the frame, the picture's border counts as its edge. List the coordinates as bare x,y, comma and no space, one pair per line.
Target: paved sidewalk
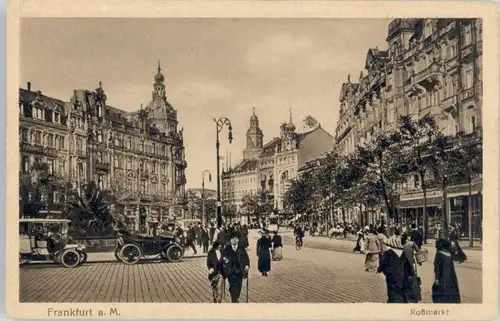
474,257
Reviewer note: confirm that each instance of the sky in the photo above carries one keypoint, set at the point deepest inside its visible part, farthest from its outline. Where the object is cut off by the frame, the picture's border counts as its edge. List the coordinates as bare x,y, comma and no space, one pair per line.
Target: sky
212,68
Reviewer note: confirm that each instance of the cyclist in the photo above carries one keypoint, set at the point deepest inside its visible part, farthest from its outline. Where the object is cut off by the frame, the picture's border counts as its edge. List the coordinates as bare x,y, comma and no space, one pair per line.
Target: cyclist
299,233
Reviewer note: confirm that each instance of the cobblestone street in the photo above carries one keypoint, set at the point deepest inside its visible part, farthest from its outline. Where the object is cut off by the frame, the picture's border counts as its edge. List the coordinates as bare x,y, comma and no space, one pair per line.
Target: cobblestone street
310,275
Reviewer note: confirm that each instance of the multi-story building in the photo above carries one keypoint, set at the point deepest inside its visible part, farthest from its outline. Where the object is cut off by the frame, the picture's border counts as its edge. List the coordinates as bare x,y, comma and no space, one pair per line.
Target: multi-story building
270,168
138,155
432,66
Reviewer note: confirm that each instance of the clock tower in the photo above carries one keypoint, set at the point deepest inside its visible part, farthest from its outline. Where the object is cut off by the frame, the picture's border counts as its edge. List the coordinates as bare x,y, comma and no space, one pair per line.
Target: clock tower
254,139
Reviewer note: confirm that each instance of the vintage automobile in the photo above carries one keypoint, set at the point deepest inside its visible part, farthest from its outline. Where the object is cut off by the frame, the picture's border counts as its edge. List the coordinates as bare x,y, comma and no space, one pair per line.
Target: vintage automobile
131,248
47,240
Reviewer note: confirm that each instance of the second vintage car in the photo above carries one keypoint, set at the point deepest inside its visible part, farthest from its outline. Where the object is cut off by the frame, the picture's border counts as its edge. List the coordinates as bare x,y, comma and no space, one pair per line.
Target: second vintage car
132,248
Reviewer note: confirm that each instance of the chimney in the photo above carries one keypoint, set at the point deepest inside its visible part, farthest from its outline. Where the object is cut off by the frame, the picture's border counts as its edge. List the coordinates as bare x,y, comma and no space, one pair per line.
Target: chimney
29,85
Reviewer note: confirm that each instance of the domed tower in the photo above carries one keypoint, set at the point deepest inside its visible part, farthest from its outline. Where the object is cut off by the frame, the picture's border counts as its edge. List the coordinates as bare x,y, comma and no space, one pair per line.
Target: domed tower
159,87
288,134
161,114
255,139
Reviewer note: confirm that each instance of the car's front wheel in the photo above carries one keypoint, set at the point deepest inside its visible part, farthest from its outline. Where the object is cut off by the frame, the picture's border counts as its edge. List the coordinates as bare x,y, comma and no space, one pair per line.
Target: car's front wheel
174,253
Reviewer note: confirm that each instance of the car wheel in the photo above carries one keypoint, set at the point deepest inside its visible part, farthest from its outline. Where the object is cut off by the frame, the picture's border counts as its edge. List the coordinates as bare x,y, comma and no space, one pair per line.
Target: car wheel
174,253
70,258
130,254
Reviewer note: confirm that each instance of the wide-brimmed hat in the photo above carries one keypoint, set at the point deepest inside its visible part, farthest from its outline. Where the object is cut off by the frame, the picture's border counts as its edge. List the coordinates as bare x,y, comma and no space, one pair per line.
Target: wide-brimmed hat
235,234
264,232
394,242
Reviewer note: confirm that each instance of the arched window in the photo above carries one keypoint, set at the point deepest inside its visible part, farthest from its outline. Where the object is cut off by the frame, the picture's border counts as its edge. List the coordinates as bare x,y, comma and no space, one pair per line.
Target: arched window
129,143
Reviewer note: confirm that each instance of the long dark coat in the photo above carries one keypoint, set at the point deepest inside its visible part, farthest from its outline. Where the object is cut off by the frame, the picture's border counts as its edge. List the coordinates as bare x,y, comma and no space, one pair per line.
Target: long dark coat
264,256
445,288
398,272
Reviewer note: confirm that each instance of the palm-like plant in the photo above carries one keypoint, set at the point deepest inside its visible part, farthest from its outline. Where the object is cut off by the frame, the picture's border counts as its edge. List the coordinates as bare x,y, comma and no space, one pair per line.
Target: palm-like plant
93,213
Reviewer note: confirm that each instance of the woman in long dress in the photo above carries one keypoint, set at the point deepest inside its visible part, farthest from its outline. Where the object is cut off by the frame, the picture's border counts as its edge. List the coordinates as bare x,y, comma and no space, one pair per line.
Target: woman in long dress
445,288
277,247
372,250
263,253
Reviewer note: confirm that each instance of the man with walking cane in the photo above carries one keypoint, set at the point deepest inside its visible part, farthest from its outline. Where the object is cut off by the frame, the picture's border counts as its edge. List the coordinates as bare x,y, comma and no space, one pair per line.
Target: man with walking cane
235,266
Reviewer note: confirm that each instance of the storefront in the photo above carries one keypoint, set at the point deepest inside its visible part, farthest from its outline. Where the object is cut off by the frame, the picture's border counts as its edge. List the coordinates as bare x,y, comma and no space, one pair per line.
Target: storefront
411,208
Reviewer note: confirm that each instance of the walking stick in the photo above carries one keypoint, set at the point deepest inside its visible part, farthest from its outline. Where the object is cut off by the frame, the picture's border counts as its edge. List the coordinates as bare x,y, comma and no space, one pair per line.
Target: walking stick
247,287
223,289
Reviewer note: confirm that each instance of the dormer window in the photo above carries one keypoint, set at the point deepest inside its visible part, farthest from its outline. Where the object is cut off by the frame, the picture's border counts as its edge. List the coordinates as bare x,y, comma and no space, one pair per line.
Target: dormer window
57,118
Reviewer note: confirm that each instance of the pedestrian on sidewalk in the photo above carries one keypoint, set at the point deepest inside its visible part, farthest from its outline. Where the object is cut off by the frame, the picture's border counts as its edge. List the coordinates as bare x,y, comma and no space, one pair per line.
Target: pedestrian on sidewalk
372,249
263,252
410,249
359,242
445,288
190,239
397,270
212,232
416,236
236,264
244,236
381,238
205,239
214,265
277,247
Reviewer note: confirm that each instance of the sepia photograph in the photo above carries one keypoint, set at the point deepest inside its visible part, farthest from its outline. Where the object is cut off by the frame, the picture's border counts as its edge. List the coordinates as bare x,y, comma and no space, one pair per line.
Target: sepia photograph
249,160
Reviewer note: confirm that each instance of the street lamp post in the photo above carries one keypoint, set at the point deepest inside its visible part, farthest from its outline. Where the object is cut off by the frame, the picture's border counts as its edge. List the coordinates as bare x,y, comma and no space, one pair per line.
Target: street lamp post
219,125
206,171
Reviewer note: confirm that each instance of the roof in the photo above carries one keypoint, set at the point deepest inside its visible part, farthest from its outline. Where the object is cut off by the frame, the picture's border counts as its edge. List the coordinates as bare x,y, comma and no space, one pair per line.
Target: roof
27,96
245,166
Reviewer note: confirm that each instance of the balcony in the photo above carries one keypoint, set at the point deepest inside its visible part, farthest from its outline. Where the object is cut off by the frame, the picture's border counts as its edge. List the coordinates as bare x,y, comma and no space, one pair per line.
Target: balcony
145,197
37,149
102,166
180,163
466,94
429,77
449,103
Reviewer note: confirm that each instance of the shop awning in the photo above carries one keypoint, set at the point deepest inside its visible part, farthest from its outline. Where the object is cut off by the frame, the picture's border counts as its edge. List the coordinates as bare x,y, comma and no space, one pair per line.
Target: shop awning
419,203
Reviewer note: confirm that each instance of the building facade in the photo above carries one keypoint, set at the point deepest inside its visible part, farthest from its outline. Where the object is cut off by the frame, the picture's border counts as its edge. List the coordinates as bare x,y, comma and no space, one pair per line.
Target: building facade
137,155
268,169
432,66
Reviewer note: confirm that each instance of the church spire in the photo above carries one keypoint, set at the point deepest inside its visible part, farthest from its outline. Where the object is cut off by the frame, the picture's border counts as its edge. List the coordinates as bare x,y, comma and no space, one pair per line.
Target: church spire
290,112
159,67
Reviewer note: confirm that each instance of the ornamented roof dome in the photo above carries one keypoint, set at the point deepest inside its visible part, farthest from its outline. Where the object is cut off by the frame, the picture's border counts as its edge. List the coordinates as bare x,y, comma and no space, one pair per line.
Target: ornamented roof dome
159,76
400,24
290,126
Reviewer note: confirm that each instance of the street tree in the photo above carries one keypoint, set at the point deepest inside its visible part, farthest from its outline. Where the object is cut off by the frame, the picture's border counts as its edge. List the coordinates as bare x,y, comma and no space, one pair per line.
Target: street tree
299,197
416,135
444,170
382,168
